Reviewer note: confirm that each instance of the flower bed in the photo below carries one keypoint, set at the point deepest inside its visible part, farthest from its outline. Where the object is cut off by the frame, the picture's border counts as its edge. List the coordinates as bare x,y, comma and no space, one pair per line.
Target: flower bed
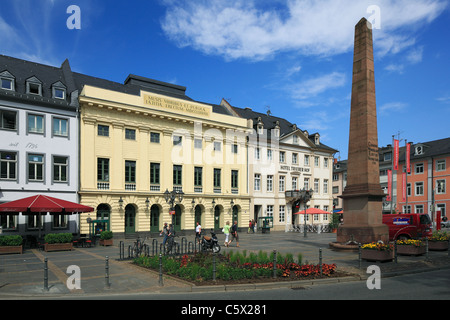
11,244
438,241
377,251
410,247
199,268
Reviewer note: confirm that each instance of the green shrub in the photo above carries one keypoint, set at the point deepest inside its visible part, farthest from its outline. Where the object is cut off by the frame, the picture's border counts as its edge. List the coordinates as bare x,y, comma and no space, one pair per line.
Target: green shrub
11,241
106,235
58,238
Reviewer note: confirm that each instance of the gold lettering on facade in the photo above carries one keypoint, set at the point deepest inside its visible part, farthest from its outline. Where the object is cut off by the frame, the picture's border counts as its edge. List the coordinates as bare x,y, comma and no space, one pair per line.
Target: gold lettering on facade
177,106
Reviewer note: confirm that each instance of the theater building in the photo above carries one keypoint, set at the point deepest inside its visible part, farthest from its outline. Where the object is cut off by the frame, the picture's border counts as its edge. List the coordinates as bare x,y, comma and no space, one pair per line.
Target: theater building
144,140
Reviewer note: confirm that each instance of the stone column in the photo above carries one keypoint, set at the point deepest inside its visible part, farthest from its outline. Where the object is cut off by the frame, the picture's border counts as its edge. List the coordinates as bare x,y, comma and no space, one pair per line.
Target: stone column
363,194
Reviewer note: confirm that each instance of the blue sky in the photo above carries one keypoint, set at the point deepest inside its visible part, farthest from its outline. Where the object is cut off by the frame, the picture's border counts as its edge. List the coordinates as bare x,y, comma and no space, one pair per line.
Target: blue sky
292,56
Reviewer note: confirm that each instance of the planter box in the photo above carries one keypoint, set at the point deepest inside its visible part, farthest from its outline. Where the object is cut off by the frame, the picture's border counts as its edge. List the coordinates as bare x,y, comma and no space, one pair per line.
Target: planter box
11,249
58,247
377,255
437,245
106,242
410,250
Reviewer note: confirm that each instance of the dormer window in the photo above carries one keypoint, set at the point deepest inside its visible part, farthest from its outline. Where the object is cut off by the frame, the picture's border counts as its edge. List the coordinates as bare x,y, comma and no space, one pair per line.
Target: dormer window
59,90
317,139
419,150
34,86
7,81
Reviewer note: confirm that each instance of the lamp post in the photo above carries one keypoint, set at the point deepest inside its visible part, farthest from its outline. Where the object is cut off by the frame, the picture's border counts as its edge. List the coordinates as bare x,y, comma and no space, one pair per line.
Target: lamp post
171,197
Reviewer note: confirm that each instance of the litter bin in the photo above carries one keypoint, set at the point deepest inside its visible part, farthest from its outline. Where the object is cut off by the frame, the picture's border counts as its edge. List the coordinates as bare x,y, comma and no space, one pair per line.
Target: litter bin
265,224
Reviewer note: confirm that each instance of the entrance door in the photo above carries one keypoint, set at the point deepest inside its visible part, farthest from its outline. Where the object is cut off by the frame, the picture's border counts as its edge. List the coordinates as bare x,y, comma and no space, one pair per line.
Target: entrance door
176,220
198,215
154,218
236,215
130,218
217,218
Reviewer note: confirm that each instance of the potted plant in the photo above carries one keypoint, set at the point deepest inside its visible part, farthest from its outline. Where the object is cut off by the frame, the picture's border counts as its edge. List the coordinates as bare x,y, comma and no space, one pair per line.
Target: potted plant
438,240
58,242
106,238
334,224
410,247
377,251
11,244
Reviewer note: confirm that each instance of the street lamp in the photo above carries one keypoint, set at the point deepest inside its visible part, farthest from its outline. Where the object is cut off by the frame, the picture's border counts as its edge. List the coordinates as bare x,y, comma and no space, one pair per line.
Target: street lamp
171,197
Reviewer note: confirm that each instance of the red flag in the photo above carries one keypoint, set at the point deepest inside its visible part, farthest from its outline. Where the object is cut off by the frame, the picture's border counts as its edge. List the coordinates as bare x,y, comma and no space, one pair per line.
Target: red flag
396,148
408,156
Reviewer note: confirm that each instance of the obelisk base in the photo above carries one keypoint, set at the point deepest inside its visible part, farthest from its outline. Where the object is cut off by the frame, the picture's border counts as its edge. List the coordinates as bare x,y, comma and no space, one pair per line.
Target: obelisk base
362,234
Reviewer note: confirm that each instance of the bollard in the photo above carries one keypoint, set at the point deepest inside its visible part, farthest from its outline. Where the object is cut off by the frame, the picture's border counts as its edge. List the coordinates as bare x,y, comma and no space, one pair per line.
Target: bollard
395,252
46,274
426,250
214,266
359,255
107,284
320,261
274,264
161,284
121,253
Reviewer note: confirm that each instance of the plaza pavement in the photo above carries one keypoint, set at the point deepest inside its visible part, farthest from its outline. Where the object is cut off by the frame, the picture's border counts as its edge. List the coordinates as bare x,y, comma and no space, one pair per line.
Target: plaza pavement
22,275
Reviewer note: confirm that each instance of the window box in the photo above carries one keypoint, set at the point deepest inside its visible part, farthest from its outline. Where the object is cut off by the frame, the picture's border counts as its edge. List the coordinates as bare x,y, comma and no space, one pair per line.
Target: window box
11,249
58,247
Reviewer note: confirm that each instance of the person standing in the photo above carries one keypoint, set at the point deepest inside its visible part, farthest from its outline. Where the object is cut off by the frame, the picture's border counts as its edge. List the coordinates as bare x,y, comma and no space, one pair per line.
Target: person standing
198,232
234,234
226,231
164,232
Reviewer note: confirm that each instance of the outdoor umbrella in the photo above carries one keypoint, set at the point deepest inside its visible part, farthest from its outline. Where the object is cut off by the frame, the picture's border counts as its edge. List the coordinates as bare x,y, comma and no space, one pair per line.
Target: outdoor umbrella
41,204
312,211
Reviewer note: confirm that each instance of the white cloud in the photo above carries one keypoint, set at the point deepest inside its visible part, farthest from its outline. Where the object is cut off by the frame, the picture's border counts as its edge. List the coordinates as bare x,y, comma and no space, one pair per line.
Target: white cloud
314,86
392,107
257,30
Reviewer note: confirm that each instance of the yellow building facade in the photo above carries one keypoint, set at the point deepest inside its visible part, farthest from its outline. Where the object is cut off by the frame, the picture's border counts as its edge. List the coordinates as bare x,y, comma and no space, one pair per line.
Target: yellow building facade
136,146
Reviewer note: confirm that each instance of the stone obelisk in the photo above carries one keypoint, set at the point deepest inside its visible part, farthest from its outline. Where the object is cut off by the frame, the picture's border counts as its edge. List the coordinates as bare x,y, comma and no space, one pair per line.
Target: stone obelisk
363,194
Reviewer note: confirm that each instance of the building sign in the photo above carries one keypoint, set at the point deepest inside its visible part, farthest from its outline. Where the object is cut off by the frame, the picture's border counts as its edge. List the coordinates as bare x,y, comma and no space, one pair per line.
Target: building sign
177,106
293,168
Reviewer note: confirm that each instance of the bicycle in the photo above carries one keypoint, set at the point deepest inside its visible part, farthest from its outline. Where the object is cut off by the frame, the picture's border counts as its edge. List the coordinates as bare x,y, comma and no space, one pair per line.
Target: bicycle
138,247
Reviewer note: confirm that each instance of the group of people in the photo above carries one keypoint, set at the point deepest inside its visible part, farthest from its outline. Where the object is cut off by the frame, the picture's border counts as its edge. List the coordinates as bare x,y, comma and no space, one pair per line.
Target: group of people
168,233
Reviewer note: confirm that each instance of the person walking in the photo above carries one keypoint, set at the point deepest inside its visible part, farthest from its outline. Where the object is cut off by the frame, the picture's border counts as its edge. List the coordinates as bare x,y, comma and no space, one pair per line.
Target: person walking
164,232
170,238
234,234
226,231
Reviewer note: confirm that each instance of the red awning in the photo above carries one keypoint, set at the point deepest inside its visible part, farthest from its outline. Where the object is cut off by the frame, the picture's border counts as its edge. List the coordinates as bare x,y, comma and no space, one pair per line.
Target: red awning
312,211
43,204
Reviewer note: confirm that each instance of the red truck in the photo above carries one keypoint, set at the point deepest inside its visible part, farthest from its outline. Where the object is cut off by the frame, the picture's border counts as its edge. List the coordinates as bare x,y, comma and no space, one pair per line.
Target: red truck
408,225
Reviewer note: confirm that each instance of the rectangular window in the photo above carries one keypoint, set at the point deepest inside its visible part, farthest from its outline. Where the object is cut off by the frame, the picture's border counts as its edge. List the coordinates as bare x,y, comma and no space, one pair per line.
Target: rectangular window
198,176
440,165
8,120
8,221
257,153
35,167
7,84
294,158
59,93
177,140
306,160
294,183
269,183
269,211
177,175
130,171
35,123
418,208
103,131
60,127
234,148
282,185
316,161
130,134
103,170
154,173
198,143
440,186
325,186
325,162
419,168
34,88
419,188
281,215
217,146
59,221
306,183
8,165
60,165
282,156
234,179
257,182
316,186
154,137
217,178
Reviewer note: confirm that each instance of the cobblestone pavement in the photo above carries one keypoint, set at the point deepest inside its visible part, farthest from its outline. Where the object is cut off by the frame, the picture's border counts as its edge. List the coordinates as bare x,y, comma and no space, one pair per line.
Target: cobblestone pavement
23,275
